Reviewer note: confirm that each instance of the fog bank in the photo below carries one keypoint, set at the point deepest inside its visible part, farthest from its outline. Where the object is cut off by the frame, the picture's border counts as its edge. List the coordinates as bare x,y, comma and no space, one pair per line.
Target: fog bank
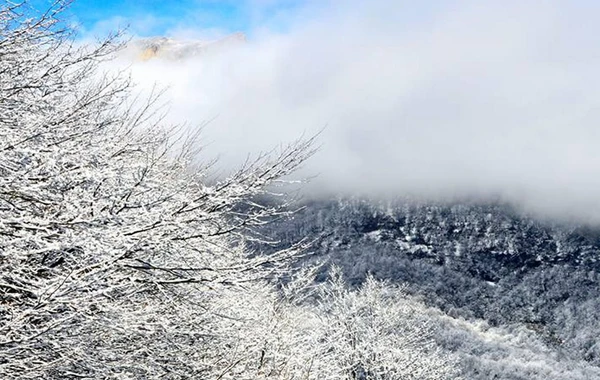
443,98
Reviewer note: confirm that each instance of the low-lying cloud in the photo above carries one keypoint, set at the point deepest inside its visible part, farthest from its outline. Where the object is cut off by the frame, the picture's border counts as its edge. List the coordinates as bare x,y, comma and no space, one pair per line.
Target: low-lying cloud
434,98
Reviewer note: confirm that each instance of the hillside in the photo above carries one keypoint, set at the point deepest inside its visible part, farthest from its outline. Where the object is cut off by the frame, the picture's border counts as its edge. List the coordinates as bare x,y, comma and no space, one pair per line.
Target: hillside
479,262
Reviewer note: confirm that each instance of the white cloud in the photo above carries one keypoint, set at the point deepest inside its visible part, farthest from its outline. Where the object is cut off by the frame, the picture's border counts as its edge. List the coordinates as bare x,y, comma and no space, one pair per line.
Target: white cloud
440,98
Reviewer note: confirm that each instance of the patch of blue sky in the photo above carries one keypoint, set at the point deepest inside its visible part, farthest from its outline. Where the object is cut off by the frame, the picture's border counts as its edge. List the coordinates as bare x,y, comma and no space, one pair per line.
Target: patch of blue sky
162,17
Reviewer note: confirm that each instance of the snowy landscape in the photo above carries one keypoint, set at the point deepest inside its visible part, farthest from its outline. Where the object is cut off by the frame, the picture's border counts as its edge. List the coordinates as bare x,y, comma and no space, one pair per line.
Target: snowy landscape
342,191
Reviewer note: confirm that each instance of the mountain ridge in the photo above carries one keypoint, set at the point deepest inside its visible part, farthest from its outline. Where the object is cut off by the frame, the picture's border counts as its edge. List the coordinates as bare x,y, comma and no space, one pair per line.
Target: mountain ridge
167,48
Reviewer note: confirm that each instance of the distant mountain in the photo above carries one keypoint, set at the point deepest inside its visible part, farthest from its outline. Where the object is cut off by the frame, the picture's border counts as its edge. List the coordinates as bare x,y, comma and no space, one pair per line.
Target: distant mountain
172,49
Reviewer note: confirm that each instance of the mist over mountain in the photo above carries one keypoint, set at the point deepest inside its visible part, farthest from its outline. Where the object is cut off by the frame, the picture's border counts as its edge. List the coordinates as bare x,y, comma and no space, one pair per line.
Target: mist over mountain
170,49
463,99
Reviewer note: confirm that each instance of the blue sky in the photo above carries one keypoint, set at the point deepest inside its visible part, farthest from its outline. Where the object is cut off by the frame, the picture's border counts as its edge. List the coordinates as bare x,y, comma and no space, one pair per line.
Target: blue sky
160,17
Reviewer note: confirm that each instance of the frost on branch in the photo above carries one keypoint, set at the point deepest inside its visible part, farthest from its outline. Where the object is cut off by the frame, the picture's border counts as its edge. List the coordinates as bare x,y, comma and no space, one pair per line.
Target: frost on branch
108,235
375,332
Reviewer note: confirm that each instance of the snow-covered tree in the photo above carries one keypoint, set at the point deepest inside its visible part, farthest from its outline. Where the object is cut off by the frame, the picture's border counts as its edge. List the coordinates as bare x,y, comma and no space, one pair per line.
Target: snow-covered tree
328,331
108,231
377,332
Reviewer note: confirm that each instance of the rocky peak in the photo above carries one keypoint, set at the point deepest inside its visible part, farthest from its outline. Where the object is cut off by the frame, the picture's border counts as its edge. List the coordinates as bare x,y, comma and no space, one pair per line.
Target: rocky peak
173,49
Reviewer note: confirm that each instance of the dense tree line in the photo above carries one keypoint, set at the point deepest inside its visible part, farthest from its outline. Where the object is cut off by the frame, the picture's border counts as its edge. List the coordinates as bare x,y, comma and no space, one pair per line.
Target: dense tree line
482,262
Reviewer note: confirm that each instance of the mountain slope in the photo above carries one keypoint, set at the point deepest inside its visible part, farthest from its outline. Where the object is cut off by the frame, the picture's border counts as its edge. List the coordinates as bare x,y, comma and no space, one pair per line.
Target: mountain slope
473,261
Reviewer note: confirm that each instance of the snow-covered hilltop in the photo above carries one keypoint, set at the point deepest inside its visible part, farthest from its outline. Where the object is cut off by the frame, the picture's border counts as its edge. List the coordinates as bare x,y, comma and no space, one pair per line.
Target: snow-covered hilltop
173,49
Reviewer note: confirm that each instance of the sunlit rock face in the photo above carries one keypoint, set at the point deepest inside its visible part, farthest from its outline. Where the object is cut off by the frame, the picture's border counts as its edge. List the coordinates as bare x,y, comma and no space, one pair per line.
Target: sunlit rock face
171,49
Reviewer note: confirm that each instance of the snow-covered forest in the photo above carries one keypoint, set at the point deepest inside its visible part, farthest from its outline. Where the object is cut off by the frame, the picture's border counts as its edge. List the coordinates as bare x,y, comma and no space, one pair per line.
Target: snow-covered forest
123,256
517,296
